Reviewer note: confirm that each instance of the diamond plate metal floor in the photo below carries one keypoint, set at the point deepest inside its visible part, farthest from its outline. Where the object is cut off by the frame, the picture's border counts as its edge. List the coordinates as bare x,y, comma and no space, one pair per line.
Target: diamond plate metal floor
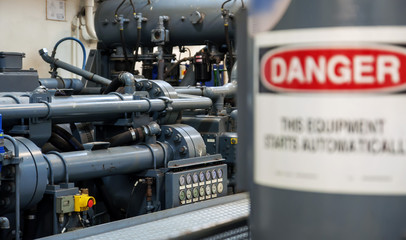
170,224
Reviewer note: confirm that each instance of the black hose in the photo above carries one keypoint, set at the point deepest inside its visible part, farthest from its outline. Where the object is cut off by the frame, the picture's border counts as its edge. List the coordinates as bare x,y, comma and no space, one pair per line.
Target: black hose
68,137
126,138
121,139
47,147
132,4
224,3
124,47
137,46
60,143
113,86
119,6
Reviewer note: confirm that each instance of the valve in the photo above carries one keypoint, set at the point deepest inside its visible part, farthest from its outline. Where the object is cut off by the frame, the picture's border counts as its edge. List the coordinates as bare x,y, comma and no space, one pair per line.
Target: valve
83,201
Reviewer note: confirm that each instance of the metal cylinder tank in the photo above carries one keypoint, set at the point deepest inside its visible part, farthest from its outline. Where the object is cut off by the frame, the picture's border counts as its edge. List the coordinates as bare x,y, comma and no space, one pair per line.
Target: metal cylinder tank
189,23
328,120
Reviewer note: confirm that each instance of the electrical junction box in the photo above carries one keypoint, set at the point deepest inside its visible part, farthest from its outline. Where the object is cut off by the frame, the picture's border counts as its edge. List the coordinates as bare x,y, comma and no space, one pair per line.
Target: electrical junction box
65,204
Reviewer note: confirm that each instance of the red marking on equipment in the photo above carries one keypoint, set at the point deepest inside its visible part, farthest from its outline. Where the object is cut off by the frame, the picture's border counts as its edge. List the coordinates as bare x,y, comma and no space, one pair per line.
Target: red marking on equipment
90,203
335,68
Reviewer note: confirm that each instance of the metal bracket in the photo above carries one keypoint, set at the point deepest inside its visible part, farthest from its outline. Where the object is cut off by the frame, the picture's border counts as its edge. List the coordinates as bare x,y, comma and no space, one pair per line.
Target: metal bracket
40,128
168,103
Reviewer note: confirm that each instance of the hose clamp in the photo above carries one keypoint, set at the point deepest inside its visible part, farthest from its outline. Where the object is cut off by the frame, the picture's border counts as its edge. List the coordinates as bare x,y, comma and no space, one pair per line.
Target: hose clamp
133,134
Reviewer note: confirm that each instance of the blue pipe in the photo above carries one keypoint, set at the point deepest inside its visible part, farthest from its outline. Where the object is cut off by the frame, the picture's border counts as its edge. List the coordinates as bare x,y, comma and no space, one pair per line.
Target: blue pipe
73,39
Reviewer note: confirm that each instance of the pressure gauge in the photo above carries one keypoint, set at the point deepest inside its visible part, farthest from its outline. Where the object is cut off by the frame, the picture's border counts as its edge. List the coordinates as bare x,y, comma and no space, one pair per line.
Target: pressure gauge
208,190
208,175
214,188
182,195
220,187
189,194
189,179
195,192
182,180
214,174
220,173
201,176
201,191
195,178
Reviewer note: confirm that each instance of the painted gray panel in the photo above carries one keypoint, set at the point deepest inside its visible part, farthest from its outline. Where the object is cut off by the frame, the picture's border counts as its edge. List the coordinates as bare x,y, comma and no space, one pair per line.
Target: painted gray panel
333,13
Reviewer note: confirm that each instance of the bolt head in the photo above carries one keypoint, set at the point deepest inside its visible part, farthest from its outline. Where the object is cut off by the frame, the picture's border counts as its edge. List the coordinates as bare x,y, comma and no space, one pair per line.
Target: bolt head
157,91
177,138
183,150
148,86
168,132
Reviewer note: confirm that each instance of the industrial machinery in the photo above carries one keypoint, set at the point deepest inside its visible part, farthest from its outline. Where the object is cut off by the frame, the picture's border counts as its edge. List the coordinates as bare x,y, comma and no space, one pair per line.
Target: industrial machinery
118,143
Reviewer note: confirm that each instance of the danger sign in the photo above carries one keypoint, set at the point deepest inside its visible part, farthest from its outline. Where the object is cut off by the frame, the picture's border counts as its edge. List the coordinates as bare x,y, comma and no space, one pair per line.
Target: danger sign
310,140
337,68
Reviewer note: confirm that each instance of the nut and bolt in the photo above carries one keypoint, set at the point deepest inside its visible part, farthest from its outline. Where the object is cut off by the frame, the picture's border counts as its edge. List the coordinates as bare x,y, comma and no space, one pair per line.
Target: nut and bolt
183,150
168,132
177,138
157,91
148,86
139,85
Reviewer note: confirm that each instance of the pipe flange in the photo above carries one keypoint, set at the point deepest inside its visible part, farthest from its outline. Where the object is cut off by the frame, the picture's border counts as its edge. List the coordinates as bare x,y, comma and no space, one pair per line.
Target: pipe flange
159,89
33,173
185,141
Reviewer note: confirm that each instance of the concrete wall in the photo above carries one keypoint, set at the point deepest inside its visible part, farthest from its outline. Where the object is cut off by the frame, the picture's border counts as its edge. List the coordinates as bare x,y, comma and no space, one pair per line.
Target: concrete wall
24,28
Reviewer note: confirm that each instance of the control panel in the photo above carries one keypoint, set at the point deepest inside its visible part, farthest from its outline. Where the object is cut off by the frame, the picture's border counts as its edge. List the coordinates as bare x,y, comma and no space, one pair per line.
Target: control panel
194,185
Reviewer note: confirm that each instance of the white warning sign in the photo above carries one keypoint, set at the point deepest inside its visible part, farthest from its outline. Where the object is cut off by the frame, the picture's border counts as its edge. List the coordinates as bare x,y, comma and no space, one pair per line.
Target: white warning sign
331,118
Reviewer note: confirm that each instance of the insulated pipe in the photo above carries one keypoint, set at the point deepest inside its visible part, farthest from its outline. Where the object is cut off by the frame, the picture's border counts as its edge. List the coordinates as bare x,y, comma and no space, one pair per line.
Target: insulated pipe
84,165
89,17
86,74
67,109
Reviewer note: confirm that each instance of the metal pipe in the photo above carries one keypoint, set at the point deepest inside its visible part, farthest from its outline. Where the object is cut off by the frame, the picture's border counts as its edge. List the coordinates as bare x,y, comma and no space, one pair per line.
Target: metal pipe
185,103
76,109
228,90
129,82
190,90
62,83
100,163
86,74
234,114
42,110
